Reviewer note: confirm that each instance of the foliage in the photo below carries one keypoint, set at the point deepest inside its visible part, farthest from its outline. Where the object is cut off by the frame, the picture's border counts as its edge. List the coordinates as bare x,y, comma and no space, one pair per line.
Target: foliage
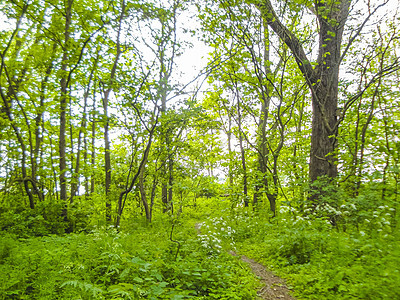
320,261
105,264
269,150
44,219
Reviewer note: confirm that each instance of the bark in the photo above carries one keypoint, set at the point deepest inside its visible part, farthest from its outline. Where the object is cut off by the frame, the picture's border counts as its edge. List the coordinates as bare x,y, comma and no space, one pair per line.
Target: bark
93,147
107,166
53,169
242,151
39,125
63,106
85,159
143,194
164,162
7,101
123,195
82,128
322,80
167,38
170,183
107,91
153,195
262,154
25,178
168,166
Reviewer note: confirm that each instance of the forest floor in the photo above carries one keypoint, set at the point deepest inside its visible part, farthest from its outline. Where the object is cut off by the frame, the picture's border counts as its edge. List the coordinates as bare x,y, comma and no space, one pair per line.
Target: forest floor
273,287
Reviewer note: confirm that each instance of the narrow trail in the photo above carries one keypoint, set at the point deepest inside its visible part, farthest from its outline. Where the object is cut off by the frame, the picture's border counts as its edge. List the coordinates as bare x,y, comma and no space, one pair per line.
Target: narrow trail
273,287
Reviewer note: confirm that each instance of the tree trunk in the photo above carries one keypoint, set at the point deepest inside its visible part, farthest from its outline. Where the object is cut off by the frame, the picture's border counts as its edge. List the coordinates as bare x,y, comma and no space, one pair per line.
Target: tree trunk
7,98
242,150
143,195
63,110
82,129
262,154
107,167
107,91
321,79
123,195
93,148
323,158
170,183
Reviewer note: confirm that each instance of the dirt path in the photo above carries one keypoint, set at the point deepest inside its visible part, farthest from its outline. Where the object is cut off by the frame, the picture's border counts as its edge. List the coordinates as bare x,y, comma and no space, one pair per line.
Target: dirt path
273,287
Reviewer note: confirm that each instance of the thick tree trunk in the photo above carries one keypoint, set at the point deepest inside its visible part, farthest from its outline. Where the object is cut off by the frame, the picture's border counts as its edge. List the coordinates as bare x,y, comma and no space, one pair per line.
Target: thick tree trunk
262,155
323,158
321,79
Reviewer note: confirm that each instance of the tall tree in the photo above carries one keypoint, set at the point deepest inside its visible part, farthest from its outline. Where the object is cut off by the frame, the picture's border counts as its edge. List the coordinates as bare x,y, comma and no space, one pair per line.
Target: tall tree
64,100
109,85
322,76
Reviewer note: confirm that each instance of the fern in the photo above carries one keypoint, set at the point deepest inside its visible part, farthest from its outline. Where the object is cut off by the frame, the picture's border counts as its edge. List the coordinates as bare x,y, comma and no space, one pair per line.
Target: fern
84,286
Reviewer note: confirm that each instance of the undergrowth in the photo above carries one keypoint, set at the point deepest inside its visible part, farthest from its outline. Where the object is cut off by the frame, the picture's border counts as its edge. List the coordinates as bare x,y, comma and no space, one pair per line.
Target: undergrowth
138,263
187,257
320,261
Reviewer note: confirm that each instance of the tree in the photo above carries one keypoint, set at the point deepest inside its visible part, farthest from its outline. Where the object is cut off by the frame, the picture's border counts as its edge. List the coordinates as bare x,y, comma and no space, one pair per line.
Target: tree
256,69
322,76
109,84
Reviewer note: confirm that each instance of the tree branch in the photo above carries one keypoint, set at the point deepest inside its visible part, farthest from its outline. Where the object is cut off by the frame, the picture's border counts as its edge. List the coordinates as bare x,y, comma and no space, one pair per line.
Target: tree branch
288,38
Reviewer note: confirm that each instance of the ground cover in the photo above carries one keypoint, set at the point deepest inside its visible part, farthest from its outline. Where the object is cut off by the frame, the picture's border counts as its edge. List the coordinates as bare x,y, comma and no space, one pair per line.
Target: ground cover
142,262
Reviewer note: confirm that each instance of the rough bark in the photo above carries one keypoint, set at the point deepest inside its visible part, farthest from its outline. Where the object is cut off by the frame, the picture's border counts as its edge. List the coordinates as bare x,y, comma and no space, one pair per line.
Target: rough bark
321,79
262,154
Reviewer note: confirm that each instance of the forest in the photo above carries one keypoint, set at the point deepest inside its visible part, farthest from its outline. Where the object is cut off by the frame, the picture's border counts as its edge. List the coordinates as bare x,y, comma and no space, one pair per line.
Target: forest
160,149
